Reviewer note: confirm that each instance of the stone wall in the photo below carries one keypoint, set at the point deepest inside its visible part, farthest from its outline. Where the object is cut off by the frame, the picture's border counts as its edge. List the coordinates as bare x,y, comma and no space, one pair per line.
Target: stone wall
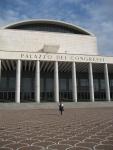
34,41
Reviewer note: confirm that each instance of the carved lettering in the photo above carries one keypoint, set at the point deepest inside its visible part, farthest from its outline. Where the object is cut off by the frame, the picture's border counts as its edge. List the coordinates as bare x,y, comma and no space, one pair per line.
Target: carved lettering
39,56
61,57
72,58
35,56
76,58
22,55
27,56
49,57
90,58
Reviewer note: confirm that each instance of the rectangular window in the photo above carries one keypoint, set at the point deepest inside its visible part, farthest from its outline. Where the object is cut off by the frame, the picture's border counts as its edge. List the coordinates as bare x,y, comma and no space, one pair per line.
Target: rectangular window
49,85
3,83
63,84
84,82
26,84
111,83
102,84
96,85
42,85
70,84
12,83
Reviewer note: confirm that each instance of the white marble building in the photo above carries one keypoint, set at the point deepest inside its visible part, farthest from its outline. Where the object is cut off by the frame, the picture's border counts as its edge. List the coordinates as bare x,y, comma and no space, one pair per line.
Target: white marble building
47,60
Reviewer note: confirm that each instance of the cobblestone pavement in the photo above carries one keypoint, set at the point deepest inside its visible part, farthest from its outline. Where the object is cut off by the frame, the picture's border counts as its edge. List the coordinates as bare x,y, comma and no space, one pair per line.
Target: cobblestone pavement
41,129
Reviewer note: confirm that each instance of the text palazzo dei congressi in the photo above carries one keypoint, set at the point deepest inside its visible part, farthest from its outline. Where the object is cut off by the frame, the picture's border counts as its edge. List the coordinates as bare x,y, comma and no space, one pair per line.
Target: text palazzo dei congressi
61,57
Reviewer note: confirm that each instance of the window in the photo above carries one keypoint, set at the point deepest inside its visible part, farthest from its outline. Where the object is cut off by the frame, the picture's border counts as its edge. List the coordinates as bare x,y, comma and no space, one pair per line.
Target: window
84,82
3,83
42,85
111,83
49,85
26,84
70,84
12,83
102,84
96,85
63,84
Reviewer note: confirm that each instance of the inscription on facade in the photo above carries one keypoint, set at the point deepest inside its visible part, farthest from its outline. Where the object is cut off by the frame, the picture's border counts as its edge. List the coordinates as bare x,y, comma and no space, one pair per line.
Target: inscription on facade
61,57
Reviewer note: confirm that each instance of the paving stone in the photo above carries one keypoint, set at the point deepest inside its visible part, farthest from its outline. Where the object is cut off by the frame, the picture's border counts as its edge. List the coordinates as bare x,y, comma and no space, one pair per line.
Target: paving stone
17,139
107,142
58,147
94,140
79,148
40,138
110,138
43,144
5,142
71,142
104,147
55,140
76,129
86,144
31,148
15,145
29,141
5,148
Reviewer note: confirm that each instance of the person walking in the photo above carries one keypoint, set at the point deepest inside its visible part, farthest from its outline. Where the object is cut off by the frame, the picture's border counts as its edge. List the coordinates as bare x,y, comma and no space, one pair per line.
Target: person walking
61,108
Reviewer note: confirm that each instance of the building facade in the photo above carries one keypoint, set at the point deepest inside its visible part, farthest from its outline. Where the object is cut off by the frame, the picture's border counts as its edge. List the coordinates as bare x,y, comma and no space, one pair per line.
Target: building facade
49,61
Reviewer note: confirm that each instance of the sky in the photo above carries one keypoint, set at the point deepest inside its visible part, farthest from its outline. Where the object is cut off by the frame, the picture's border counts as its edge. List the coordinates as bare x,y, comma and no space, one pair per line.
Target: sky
95,16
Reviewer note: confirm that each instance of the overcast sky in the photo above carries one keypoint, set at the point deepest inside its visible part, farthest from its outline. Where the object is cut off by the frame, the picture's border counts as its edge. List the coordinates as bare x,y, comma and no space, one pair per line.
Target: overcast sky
93,15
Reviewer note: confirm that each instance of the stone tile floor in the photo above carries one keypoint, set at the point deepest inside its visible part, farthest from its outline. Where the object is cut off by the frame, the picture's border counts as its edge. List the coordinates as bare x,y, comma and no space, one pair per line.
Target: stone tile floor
46,129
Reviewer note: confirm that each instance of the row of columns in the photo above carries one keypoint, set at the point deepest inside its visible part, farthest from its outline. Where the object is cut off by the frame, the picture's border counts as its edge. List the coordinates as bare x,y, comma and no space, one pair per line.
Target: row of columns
56,82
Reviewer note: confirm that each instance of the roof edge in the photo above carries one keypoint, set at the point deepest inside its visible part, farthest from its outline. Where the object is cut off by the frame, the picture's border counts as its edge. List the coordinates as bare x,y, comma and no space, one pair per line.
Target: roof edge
57,22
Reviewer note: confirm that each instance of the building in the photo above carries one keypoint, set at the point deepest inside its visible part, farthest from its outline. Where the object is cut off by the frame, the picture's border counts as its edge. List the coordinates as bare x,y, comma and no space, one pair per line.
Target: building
47,60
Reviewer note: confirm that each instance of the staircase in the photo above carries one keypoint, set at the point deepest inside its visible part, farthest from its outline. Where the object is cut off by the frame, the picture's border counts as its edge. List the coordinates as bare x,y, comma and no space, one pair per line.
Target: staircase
54,105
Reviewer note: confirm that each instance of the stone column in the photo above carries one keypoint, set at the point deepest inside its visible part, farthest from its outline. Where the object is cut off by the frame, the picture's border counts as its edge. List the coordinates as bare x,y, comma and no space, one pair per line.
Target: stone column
56,82
74,82
91,86
37,82
107,82
18,81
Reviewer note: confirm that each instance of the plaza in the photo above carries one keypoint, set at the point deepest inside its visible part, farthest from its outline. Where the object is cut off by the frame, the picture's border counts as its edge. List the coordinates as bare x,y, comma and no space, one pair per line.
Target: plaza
41,129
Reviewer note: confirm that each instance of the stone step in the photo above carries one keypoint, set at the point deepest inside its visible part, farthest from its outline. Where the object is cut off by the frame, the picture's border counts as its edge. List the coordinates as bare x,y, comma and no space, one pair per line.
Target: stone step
55,105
